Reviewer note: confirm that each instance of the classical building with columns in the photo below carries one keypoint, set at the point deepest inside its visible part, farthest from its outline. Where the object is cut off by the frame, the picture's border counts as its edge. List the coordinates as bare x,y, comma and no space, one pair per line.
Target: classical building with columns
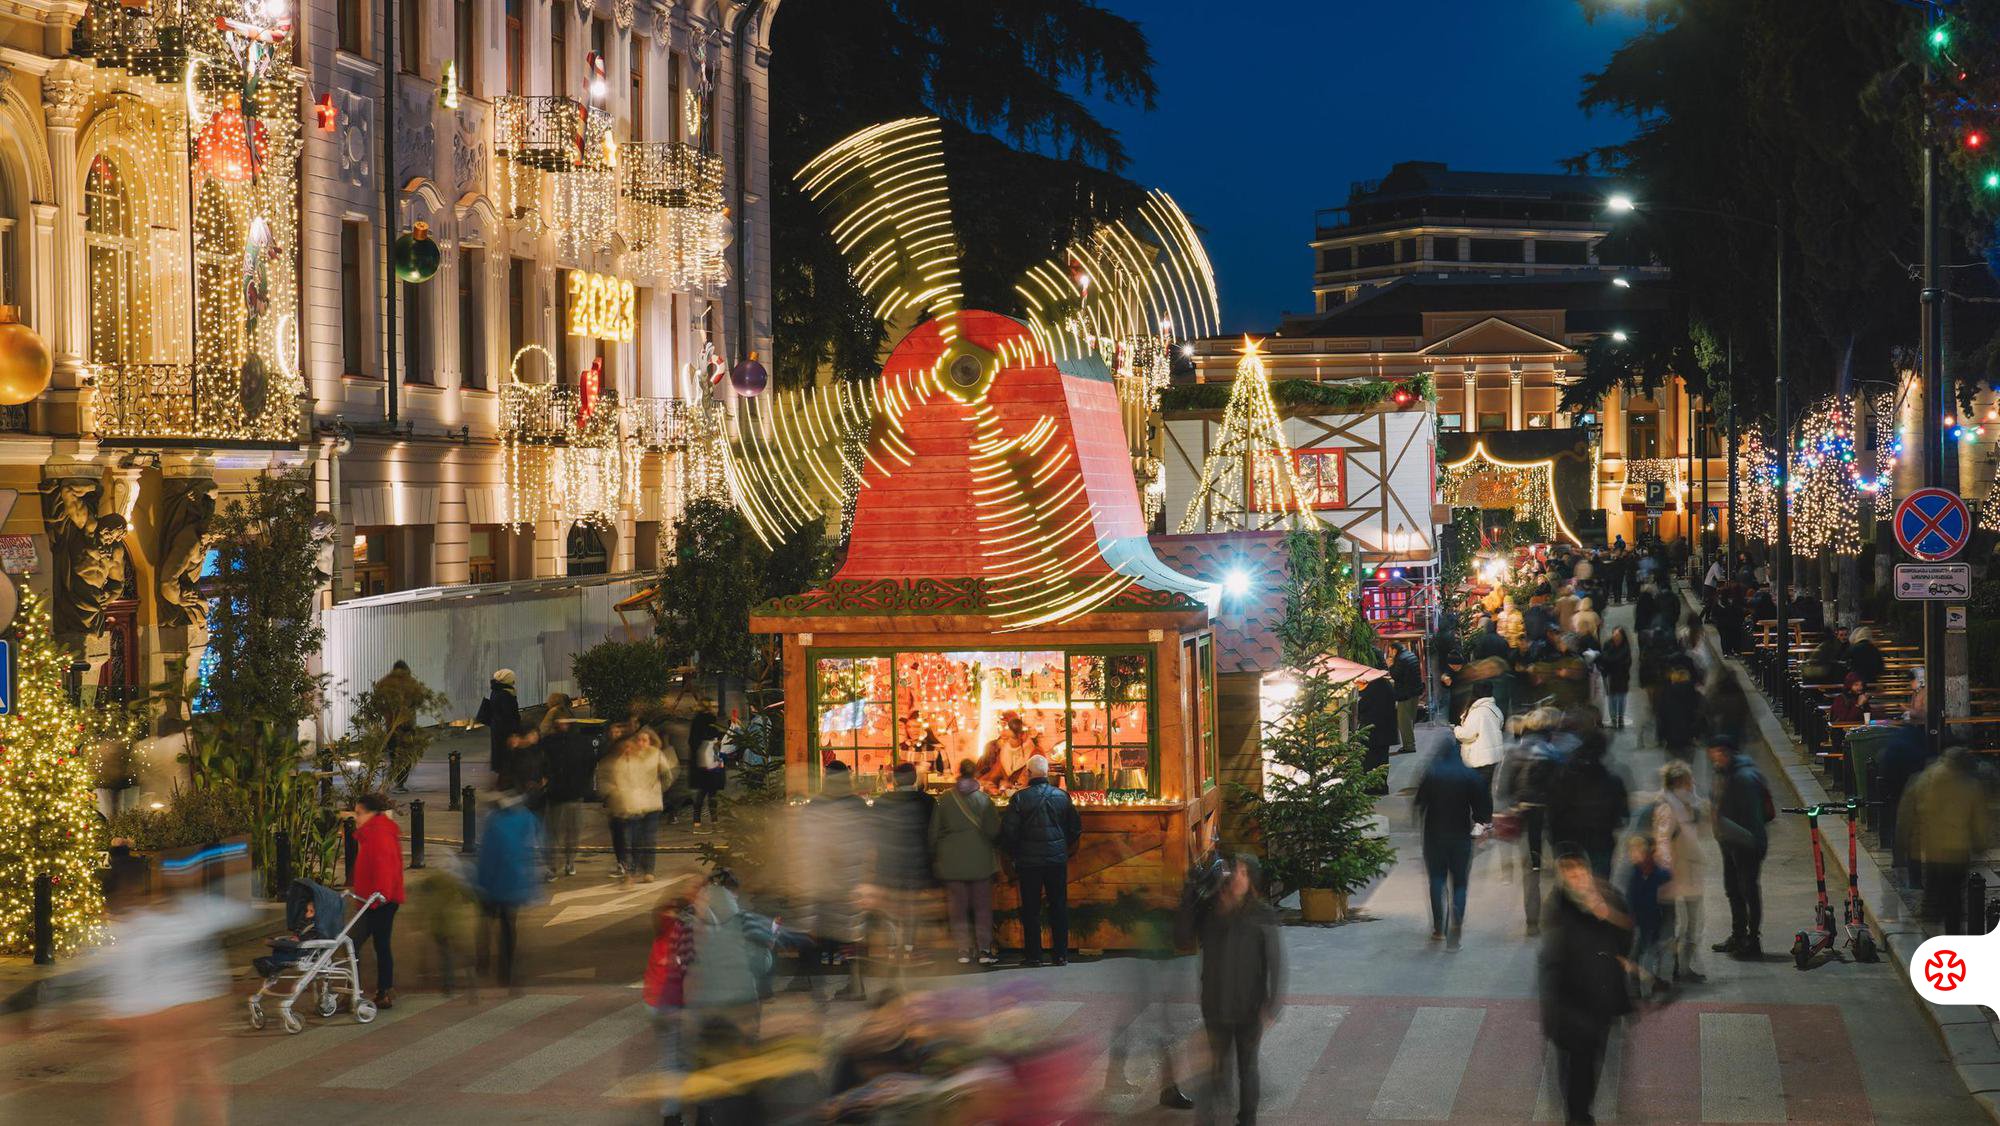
1491,286
199,215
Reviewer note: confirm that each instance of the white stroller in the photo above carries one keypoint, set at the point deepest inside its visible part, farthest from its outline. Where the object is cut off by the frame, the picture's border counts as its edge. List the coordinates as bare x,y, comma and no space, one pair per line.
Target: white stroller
320,958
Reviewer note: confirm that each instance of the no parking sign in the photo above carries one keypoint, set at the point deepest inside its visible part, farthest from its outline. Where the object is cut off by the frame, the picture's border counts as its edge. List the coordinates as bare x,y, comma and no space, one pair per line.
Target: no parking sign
1933,525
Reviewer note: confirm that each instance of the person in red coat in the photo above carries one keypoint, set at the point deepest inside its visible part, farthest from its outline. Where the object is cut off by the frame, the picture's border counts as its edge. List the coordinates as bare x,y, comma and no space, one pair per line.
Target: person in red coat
378,867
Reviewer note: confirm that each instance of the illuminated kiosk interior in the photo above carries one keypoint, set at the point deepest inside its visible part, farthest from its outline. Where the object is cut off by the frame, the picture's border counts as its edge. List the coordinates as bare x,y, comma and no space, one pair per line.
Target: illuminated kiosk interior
998,569
1482,481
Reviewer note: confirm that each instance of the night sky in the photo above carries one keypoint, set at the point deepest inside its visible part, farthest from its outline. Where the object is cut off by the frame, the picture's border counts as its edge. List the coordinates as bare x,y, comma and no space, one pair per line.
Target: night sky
1263,121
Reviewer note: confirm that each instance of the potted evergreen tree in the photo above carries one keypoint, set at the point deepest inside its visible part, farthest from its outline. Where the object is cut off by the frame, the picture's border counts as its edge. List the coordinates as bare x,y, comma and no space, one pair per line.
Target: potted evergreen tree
1315,814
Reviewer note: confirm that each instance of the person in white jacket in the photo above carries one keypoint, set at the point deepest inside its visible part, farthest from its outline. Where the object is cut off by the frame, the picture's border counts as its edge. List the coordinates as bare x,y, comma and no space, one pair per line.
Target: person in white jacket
632,780
1482,733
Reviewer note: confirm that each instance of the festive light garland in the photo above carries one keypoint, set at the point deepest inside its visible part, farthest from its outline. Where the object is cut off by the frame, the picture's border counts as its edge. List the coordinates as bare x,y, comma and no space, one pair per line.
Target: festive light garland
48,792
1481,480
1830,490
1757,490
1249,481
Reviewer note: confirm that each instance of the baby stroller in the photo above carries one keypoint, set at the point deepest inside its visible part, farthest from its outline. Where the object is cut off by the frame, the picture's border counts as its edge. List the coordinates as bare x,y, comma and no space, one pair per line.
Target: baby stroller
317,955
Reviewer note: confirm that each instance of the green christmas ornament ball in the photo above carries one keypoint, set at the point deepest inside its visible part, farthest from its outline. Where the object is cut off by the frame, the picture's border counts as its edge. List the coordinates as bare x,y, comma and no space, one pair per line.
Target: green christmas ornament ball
417,255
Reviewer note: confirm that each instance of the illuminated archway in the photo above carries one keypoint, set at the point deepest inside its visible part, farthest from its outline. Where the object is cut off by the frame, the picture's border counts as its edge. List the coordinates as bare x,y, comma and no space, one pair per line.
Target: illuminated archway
1531,486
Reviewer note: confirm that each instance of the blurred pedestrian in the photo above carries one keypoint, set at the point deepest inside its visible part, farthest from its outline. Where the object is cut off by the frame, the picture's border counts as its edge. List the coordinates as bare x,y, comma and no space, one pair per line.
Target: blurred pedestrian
633,780
1242,986
1945,825
156,983
664,990
723,982
444,906
569,769
1614,665
964,829
903,856
1677,711
832,861
501,713
1408,675
398,695
1588,802
1451,799
505,878
1743,809
1646,879
1375,709
710,775
1482,735
1903,756
1864,658
1725,707
1581,969
1041,831
1587,623
378,868
1677,843
1521,789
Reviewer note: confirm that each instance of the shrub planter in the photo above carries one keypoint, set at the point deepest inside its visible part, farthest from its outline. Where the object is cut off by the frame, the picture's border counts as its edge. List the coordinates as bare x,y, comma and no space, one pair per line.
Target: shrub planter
1322,905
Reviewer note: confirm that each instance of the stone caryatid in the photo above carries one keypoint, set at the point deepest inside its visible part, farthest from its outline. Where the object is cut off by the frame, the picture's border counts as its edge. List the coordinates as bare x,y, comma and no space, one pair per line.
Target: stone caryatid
87,553
186,510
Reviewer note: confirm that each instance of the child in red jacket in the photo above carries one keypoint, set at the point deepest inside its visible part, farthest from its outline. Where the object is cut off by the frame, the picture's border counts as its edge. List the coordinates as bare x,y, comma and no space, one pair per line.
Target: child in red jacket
378,869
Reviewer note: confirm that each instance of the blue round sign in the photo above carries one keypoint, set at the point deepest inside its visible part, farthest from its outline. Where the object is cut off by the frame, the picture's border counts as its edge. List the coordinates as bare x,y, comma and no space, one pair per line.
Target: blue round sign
1933,525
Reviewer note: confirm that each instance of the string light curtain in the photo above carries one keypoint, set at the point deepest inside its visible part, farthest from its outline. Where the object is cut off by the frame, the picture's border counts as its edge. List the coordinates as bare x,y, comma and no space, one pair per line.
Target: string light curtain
1481,481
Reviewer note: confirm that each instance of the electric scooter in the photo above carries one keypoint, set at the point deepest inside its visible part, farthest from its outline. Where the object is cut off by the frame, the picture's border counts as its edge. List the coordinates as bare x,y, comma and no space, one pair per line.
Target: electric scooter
1821,939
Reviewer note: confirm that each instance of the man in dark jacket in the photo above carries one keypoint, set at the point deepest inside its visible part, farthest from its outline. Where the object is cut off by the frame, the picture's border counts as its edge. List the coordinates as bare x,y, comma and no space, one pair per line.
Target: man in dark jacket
1376,710
1242,985
570,755
1408,674
1741,800
501,713
1451,799
902,852
1588,804
1040,830
1586,933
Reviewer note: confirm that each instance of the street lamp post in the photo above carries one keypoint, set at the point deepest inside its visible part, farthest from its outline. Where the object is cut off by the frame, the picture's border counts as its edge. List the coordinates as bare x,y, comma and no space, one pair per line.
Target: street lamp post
1781,573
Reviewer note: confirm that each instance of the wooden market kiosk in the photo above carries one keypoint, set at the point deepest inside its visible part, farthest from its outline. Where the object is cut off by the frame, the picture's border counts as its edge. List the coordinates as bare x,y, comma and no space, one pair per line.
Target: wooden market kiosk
933,637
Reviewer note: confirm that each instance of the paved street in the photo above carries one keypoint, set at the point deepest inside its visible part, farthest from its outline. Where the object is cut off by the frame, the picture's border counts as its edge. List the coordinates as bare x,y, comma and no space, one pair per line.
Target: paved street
1380,1026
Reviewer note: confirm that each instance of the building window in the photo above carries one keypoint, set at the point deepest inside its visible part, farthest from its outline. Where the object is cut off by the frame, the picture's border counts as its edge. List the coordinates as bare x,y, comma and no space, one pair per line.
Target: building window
371,561
518,329
482,559
517,42
1562,253
1642,434
559,49
112,246
636,110
1451,422
1493,421
707,139
676,113
1444,248
1497,250
410,36
465,45
1375,254
600,44
9,246
586,551
353,294
472,318
351,16
1540,420
417,313
1406,250
564,351
1322,477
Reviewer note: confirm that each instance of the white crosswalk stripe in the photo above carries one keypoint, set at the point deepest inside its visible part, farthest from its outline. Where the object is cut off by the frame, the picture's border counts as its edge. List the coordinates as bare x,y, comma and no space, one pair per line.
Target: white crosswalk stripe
1740,1077
398,1067
320,1040
551,1061
1292,1049
1422,1082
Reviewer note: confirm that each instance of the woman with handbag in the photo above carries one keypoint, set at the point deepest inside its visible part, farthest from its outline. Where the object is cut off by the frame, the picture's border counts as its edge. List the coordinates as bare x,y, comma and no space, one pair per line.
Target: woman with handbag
711,776
964,828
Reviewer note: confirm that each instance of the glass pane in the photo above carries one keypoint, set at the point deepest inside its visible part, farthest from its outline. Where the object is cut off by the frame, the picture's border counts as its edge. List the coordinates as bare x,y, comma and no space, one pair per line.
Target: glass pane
1087,724
1086,677
1128,723
937,713
1089,772
1129,770
1020,699
1125,677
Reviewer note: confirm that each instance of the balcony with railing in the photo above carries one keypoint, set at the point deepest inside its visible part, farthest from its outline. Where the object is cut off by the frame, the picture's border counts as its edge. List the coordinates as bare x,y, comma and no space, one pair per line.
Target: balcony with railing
547,414
671,174
194,404
136,37
551,133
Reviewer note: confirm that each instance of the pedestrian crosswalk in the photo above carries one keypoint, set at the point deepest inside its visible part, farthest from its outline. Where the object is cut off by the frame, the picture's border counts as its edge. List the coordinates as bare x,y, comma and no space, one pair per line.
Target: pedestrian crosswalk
1325,1059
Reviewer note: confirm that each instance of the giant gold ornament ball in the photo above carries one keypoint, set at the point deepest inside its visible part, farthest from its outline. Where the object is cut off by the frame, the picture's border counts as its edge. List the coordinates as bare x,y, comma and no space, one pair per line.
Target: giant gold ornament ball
25,362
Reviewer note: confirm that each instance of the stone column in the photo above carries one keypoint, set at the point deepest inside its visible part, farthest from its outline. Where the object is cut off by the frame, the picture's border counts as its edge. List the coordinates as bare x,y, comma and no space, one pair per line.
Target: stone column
1471,401
65,97
1516,420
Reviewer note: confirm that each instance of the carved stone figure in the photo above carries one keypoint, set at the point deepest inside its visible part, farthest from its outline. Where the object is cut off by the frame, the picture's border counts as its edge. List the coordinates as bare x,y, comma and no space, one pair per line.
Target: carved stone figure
186,508
87,553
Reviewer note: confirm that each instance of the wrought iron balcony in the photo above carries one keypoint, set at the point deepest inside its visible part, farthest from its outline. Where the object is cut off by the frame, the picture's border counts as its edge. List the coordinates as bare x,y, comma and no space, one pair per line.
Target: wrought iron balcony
550,414
552,133
671,174
195,404
663,424
139,39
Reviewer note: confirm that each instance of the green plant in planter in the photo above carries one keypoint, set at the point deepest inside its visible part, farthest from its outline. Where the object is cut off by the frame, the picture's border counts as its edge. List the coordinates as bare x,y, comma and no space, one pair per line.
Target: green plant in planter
190,817
612,674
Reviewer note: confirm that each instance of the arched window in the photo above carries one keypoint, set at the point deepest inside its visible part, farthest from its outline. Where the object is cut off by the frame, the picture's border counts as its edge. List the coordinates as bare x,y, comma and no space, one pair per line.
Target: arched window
11,279
117,282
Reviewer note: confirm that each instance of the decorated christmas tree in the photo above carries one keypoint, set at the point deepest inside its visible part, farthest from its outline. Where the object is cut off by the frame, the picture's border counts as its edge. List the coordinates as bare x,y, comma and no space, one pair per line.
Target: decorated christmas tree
1248,481
48,783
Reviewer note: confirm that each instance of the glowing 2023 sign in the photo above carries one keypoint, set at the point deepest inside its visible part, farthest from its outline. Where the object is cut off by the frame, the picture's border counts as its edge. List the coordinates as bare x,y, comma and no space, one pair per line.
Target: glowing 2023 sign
602,306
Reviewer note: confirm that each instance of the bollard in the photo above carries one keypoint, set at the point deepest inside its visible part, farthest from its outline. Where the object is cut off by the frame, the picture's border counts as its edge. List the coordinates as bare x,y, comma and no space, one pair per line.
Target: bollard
349,847
281,848
452,789
465,804
417,833
45,920
1975,903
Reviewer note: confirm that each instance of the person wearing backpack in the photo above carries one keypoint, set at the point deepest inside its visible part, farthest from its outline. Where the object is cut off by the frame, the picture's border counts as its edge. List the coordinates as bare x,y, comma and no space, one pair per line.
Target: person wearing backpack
1041,831
1743,808
964,826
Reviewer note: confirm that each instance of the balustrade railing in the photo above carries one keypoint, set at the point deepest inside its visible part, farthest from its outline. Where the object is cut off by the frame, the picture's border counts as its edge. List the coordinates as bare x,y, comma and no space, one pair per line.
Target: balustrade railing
194,402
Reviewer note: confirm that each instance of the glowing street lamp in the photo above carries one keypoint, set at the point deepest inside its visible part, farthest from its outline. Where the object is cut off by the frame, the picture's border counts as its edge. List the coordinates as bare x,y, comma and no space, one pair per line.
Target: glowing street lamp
1621,202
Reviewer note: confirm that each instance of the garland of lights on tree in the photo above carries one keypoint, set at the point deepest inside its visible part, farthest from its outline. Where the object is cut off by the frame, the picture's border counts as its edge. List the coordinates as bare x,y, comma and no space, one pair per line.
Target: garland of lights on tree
48,792
1838,477
1248,482
1756,492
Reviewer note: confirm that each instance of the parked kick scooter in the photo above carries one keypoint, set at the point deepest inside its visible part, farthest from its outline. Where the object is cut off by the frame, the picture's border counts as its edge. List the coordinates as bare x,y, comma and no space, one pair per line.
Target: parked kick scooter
1809,944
